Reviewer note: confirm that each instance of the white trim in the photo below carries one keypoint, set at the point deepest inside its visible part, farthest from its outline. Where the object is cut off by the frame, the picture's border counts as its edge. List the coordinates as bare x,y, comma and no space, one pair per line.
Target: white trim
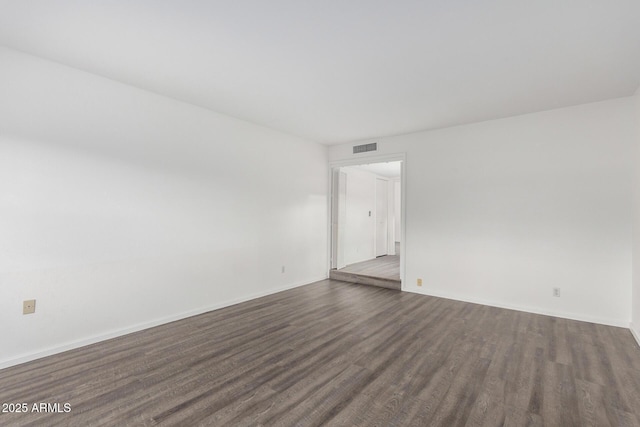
329,220
141,326
403,222
635,333
362,160
561,314
374,158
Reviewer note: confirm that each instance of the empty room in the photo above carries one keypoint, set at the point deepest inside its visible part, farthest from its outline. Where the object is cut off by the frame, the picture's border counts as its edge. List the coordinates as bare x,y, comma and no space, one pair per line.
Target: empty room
194,195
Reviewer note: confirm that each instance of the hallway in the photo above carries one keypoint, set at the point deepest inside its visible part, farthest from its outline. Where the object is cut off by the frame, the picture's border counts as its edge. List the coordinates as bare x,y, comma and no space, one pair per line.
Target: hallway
383,271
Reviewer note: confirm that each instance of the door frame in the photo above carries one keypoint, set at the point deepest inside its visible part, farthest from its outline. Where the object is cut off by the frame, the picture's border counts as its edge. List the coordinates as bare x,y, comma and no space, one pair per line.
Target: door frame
362,160
376,248
338,179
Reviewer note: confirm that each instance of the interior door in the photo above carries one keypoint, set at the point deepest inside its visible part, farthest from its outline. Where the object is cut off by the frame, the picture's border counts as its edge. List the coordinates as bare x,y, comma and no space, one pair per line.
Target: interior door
382,216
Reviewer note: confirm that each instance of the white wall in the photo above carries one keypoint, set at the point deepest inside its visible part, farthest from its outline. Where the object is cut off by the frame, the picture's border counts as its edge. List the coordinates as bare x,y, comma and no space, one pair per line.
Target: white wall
121,209
635,301
500,212
360,231
360,228
391,217
397,209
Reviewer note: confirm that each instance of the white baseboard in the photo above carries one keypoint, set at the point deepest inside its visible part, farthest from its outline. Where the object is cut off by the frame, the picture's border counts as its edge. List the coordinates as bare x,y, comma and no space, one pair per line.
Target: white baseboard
635,331
563,315
141,326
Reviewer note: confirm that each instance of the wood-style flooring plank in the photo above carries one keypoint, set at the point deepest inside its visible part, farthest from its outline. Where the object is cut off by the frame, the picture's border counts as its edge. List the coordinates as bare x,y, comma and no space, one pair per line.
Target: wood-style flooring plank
386,267
333,353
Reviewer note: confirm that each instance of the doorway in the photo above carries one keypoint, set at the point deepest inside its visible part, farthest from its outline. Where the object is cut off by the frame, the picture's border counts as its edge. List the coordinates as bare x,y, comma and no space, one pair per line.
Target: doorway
366,223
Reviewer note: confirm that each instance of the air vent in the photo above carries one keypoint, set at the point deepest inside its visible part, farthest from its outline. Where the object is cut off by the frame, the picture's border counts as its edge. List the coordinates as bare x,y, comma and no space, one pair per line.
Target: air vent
365,147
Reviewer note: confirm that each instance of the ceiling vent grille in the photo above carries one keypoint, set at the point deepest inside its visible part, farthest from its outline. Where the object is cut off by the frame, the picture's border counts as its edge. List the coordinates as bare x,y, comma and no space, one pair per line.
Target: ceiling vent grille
365,147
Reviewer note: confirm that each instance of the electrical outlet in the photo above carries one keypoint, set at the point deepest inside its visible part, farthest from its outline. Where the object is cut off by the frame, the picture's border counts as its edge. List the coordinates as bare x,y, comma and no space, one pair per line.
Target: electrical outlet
283,269
556,292
419,282
29,306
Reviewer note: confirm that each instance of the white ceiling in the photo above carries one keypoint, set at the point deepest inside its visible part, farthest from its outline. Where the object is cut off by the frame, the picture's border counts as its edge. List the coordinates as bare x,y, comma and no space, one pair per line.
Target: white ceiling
337,71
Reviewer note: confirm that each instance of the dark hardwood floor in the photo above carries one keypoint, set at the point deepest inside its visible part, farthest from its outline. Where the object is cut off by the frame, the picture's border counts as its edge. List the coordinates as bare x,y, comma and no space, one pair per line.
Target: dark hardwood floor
382,271
384,267
333,353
